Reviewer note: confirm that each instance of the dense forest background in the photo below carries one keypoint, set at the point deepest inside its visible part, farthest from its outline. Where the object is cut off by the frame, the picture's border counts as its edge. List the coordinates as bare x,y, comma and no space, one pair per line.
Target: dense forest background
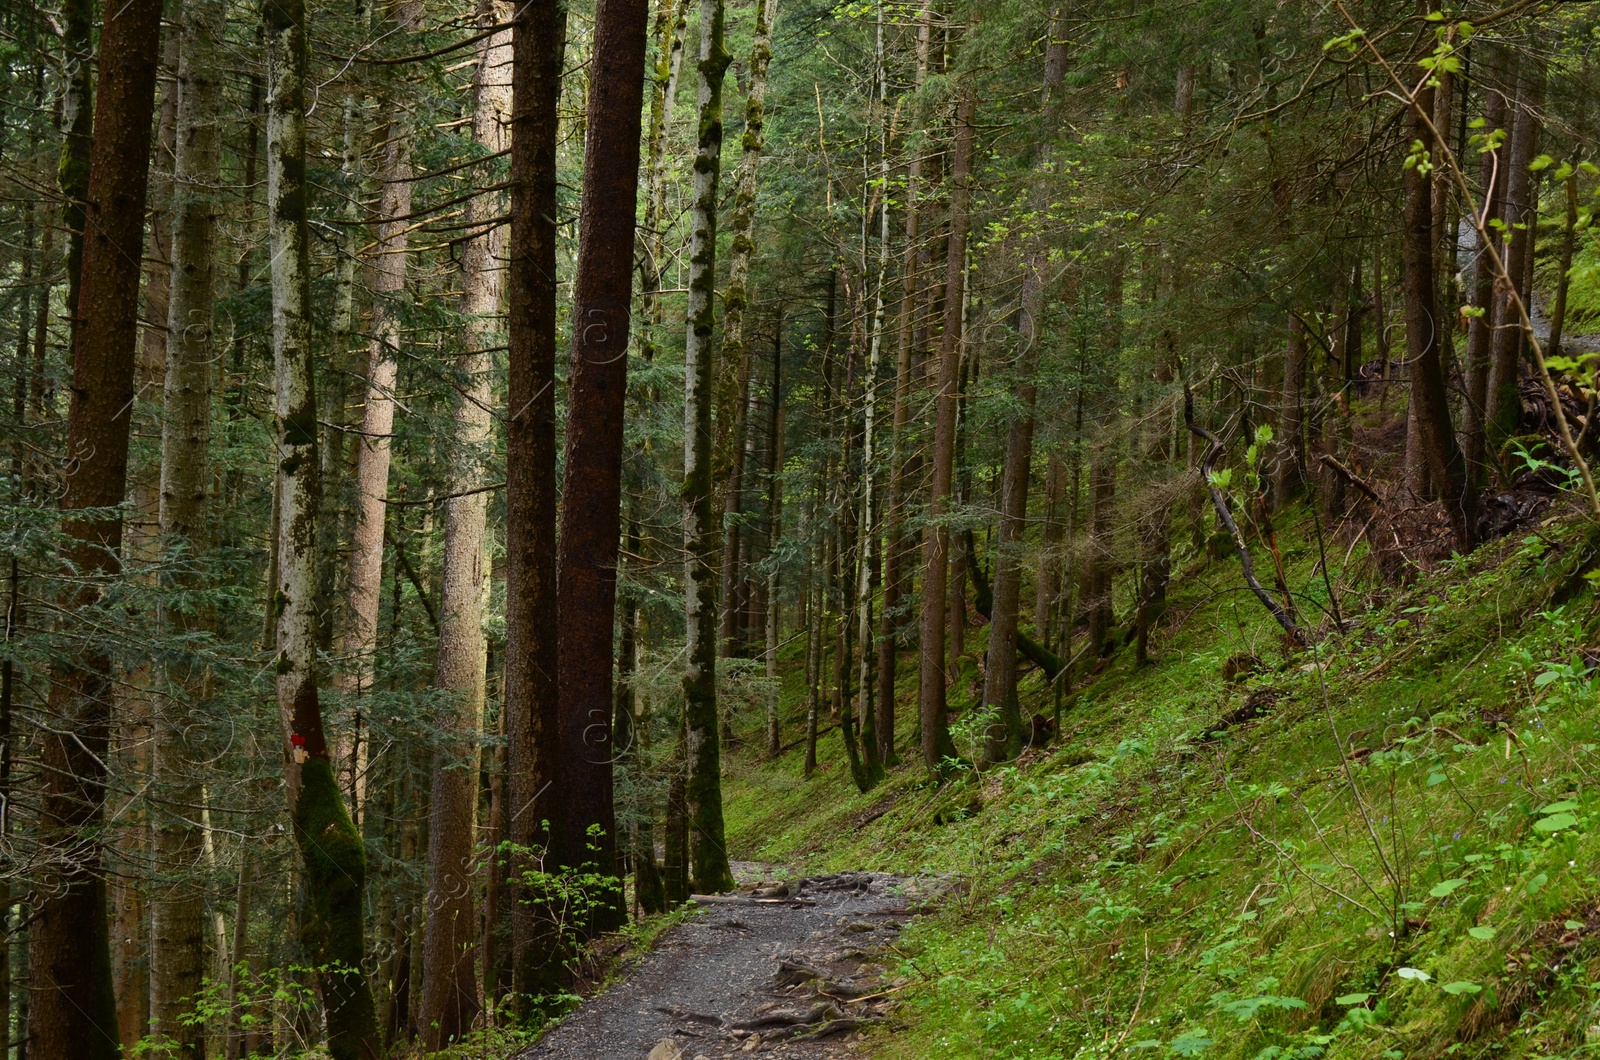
367,653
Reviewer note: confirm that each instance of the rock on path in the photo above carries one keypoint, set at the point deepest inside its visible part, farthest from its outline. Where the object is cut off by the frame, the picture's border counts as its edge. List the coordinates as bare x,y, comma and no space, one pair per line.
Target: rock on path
733,981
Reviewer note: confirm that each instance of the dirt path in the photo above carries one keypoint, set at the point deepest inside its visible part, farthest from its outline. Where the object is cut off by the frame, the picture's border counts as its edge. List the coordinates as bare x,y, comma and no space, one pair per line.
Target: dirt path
786,970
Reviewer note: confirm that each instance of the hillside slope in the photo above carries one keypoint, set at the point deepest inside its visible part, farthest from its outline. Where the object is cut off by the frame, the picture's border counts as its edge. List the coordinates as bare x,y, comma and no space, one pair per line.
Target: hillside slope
1381,847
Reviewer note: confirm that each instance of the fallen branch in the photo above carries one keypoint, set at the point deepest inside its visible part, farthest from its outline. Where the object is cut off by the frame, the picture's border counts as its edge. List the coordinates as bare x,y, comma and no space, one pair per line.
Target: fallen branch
1219,500
1330,462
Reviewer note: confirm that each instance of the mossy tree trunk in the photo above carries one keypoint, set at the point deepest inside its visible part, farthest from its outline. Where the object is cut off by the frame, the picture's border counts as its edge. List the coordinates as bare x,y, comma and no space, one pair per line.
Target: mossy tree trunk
707,850
333,860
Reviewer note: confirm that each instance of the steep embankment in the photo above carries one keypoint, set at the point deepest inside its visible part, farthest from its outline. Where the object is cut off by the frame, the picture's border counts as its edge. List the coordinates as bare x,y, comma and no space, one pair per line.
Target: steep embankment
1383,847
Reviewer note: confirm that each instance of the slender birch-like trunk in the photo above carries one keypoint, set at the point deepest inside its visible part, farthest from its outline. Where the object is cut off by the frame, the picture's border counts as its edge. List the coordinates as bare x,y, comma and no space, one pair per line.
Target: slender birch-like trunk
867,576
449,987
177,939
333,859
707,851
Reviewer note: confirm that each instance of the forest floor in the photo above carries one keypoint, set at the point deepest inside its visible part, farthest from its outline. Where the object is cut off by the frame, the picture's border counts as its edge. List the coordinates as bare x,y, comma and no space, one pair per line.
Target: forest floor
1386,846
781,968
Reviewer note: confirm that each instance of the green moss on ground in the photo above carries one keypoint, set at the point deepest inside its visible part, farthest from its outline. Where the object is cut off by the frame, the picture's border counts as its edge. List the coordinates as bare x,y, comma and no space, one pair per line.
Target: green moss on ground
1386,847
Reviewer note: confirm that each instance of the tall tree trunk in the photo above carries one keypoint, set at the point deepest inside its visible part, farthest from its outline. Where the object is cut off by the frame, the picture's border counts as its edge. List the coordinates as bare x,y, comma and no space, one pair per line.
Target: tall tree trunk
334,518
1047,586
178,906
815,595
235,1041
1480,331
1005,735
868,579
736,300
897,549
729,592
937,747
671,20
775,445
1291,464
449,987
1429,400
365,577
130,887
1097,578
675,865
73,1010
77,125
1503,412
333,859
592,482
533,736
708,851
847,555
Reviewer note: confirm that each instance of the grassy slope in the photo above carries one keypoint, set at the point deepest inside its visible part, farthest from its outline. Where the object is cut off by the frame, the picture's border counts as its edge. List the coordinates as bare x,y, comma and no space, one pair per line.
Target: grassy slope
1142,888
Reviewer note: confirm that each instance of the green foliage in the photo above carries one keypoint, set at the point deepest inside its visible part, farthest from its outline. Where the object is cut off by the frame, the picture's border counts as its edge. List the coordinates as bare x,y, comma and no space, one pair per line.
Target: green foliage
1316,897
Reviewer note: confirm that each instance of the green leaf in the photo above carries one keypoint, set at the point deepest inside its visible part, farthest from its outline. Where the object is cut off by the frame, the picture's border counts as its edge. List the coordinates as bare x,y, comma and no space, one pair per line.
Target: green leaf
1461,986
1482,931
1446,888
1191,1044
1548,677
1416,974
1535,885
1435,779
1564,806
1542,162
1555,823
1352,999
1575,925
1246,1007
1589,168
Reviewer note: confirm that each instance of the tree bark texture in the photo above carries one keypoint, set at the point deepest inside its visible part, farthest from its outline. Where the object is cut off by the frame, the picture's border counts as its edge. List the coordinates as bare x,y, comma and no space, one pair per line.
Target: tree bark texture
73,1011
592,480
1291,463
937,747
449,985
1480,332
707,850
534,767
178,902
1503,402
364,581
1429,399
1005,734
333,859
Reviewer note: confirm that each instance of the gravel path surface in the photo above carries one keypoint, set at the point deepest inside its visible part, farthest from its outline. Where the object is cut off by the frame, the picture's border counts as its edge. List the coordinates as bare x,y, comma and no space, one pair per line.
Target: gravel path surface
725,983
